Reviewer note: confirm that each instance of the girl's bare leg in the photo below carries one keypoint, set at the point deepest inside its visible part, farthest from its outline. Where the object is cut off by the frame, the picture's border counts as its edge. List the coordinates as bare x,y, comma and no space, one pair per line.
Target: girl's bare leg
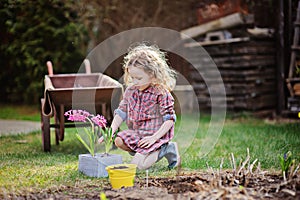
120,144
142,161
145,161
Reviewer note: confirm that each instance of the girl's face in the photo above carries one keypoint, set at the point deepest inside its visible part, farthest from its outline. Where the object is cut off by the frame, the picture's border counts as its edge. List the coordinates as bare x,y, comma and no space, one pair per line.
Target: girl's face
139,77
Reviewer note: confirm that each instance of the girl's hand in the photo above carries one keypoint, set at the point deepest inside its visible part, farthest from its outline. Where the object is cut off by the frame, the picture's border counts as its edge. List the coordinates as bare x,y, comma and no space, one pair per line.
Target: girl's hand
146,142
100,140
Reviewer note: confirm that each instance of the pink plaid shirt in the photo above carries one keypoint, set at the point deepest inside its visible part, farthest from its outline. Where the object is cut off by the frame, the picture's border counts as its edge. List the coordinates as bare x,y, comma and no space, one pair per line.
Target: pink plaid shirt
145,111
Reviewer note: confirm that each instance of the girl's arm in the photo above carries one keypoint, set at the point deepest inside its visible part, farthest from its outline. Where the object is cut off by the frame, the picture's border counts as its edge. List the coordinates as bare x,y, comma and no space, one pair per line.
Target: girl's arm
149,140
165,127
116,123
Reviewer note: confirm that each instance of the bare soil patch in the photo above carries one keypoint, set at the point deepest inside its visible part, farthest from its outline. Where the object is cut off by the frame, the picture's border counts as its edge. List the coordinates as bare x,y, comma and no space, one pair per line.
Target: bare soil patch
204,185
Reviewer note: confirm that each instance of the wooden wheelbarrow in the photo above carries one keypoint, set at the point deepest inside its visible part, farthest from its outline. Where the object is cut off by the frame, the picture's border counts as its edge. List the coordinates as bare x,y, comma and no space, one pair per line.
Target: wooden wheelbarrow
94,92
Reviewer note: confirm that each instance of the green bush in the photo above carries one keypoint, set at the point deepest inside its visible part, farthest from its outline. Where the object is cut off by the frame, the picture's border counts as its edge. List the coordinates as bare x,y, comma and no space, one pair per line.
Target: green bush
32,32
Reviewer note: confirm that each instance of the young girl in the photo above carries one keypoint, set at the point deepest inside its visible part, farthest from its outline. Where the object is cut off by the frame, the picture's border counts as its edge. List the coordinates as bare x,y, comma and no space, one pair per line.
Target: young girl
148,108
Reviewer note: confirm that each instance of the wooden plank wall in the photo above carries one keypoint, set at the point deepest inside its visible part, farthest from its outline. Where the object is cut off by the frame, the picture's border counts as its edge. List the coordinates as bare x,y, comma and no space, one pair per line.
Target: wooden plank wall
248,70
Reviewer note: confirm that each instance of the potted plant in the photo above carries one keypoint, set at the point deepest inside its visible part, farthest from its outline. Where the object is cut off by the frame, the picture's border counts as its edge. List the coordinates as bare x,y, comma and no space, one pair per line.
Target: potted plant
94,164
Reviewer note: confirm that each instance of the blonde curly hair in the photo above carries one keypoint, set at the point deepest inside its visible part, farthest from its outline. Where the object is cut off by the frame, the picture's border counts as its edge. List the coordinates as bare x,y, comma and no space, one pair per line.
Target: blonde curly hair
154,62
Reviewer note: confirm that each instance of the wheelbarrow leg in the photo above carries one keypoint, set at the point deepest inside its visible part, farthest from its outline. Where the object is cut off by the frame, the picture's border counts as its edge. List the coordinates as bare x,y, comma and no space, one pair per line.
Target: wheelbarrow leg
45,127
56,130
103,108
62,123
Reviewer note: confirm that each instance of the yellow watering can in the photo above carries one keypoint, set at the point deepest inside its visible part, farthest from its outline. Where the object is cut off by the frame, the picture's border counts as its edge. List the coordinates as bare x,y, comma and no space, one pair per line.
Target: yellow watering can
121,175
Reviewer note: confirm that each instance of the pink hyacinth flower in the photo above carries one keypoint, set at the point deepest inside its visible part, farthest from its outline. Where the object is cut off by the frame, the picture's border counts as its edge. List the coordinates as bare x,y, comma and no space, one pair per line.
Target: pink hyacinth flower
77,115
99,120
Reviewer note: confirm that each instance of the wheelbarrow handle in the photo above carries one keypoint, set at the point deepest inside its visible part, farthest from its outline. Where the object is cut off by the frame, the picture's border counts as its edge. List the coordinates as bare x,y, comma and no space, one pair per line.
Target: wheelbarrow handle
50,67
87,66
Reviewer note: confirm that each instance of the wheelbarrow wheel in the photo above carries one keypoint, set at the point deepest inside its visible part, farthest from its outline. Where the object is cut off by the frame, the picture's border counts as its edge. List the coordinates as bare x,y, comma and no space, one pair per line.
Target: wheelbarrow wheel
45,127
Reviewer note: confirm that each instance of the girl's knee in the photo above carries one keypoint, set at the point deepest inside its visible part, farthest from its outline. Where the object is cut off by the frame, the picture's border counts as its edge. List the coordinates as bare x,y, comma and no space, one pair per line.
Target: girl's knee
144,161
140,164
142,167
119,142
139,160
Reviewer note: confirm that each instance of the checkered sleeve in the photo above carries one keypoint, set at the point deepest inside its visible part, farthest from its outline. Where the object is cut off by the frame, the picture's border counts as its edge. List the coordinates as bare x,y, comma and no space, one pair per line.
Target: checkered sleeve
122,108
166,106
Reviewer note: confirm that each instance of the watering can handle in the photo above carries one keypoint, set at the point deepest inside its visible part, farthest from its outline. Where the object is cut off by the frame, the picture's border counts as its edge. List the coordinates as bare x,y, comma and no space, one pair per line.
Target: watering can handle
50,68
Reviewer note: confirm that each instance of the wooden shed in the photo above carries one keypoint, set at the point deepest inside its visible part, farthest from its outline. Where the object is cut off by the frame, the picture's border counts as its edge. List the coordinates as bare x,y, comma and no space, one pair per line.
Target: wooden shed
252,55
248,70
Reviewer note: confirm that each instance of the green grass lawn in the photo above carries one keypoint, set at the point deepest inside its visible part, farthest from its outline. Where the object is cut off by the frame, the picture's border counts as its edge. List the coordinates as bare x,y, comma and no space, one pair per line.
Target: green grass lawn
21,112
24,166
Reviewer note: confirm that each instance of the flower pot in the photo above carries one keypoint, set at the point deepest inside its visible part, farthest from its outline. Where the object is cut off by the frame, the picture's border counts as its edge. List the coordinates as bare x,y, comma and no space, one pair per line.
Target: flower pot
121,175
95,166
